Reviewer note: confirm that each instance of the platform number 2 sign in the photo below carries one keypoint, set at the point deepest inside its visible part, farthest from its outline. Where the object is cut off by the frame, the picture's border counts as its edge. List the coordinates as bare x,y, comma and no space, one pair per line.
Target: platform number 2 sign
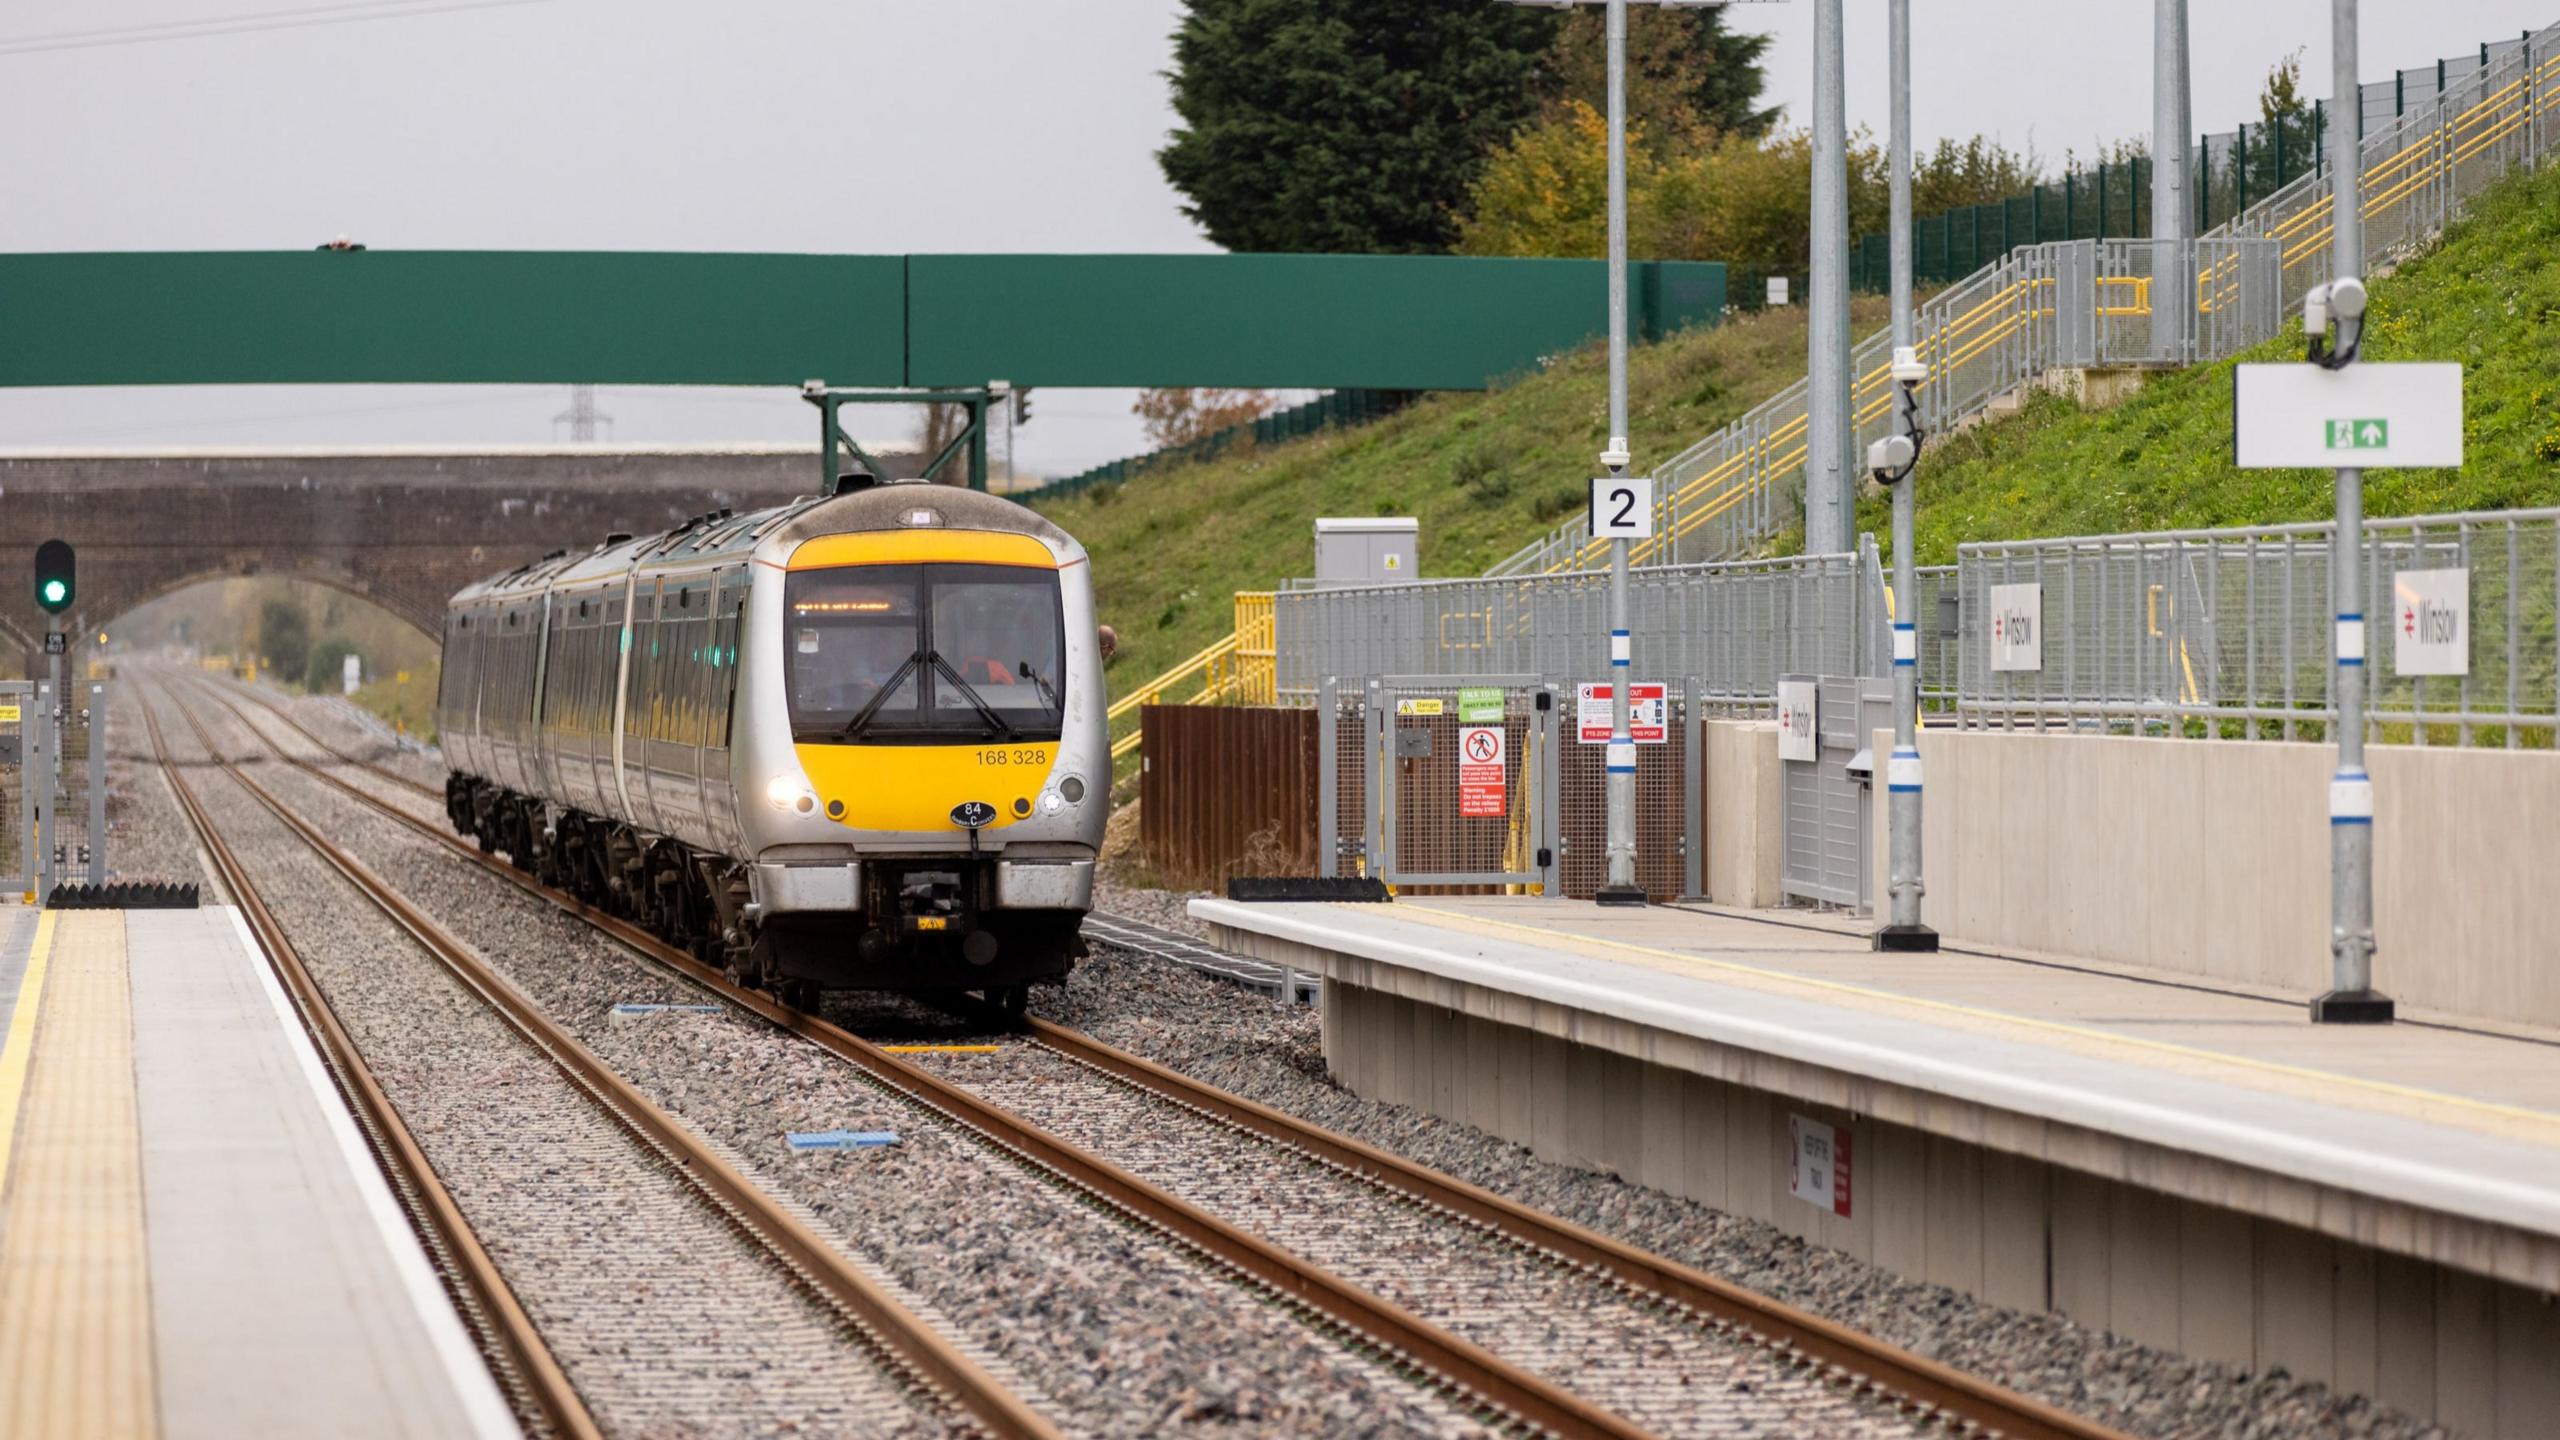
1622,508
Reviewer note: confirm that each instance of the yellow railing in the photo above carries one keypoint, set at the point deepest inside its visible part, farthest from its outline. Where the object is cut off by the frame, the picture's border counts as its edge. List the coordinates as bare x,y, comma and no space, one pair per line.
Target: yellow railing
1243,668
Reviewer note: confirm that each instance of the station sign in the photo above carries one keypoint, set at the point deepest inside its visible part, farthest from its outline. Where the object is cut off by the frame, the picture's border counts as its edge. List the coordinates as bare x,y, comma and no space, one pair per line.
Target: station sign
2431,622
1648,713
1818,1164
1482,749
2017,627
2366,417
1797,735
1622,507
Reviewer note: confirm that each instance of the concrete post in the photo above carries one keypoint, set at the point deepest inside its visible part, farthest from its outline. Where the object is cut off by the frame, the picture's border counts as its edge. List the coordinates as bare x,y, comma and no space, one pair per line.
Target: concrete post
2351,998
1827,472
2169,216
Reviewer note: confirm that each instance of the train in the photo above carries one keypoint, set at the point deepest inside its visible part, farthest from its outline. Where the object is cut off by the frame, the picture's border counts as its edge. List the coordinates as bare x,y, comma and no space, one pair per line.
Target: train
857,741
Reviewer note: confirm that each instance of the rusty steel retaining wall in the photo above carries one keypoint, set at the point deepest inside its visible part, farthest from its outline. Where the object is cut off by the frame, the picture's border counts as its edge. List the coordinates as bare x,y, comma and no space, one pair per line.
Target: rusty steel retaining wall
1227,790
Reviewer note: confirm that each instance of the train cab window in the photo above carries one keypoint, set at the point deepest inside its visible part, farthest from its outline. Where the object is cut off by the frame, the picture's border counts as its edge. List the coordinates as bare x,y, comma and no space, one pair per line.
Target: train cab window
944,653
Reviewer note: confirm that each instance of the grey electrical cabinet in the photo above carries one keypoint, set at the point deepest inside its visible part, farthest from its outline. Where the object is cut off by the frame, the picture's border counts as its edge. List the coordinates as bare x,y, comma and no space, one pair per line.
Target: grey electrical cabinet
1367,551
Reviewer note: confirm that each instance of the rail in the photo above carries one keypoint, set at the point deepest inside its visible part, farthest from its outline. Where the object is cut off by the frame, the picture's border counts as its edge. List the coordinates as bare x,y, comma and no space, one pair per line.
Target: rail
518,1356
1908,1378
904,1337
1528,1396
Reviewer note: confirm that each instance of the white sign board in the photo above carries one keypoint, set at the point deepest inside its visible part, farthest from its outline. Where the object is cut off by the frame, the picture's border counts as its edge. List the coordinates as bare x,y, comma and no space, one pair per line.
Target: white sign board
1648,713
1622,509
2368,417
2017,627
1777,290
2431,622
1796,733
1818,1164
1482,750
351,674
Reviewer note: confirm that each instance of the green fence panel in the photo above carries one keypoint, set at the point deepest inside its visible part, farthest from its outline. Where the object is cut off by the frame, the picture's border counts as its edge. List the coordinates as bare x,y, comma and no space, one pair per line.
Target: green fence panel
458,317
1384,322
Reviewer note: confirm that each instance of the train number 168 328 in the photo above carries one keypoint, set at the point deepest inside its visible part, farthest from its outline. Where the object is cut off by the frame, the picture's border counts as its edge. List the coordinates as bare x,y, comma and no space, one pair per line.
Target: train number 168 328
1013,757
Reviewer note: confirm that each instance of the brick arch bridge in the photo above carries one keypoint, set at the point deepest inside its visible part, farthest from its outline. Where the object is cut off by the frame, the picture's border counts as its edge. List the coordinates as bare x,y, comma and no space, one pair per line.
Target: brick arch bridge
403,528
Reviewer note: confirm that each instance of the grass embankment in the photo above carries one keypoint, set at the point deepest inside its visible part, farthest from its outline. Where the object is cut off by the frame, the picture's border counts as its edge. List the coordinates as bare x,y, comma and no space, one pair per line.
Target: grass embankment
2488,296
1484,473
405,701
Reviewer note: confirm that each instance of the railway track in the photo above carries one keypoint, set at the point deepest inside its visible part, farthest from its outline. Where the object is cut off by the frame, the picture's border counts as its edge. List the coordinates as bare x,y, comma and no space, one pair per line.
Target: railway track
905,1344
1798,1342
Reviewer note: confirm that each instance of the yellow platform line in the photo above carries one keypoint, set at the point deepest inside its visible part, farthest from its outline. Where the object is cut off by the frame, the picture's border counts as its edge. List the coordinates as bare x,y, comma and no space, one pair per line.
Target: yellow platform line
75,1291
2540,1125
19,1047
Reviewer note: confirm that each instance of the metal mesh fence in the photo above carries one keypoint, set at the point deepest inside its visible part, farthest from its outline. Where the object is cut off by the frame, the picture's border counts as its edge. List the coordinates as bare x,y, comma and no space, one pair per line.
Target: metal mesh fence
2227,632
1660,812
1734,626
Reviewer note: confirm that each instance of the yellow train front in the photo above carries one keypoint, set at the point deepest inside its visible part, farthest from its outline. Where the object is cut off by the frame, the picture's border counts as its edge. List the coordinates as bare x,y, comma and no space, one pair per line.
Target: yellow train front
853,742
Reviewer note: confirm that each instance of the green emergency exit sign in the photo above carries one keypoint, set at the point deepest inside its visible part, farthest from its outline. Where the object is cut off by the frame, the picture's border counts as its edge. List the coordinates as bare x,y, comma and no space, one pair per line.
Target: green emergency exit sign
2359,434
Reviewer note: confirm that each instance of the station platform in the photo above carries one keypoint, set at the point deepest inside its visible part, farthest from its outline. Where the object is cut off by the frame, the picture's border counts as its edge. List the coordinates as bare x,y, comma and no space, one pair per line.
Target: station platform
2191,1164
194,1238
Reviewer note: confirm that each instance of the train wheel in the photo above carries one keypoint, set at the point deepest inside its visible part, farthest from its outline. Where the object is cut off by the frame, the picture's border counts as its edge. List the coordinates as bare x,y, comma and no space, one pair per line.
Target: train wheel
1013,1000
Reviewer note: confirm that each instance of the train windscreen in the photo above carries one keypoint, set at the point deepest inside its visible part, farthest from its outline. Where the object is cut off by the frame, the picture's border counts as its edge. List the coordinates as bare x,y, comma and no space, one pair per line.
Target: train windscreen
924,653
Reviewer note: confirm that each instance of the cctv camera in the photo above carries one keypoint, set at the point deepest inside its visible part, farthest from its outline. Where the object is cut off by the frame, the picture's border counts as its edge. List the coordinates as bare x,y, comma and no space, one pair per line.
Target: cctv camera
2346,298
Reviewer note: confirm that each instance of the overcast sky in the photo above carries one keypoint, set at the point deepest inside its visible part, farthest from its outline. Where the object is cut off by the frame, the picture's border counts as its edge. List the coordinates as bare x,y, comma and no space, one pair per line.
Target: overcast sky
820,125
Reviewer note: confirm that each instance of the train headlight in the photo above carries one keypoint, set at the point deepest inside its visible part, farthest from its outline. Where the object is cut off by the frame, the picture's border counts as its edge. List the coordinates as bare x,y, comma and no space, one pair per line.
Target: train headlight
1073,788
792,793
1052,802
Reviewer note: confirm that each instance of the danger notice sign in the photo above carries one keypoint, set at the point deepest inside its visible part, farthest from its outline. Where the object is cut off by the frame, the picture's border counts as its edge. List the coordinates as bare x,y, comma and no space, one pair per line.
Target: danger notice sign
1481,752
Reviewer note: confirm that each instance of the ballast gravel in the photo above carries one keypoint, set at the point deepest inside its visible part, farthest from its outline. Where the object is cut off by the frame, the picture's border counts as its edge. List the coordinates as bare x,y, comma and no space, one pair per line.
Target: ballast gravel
1233,1038
1269,1052
1111,1329
665,1318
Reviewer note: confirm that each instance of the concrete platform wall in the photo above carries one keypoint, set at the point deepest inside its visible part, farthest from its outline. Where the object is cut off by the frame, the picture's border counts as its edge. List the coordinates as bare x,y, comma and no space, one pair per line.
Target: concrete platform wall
2213,858
2475,1353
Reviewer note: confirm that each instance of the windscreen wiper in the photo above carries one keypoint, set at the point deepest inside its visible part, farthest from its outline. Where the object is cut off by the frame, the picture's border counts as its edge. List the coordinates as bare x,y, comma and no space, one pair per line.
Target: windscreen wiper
861,720
1036,678
995,722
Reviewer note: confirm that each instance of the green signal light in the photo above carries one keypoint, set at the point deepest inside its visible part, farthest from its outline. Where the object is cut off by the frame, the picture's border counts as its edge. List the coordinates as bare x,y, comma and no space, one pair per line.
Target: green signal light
55,592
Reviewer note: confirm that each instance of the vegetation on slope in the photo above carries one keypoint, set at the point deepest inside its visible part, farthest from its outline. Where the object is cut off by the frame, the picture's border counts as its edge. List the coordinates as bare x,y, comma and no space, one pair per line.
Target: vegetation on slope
2488,296
1484,473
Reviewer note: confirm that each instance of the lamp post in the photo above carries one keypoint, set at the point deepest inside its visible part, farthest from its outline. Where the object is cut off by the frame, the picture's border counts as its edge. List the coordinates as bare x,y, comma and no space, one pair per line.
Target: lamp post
1621,888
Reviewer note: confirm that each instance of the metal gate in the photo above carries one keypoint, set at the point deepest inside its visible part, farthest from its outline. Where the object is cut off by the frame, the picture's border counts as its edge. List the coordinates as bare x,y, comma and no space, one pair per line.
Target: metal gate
1404,802
1826,798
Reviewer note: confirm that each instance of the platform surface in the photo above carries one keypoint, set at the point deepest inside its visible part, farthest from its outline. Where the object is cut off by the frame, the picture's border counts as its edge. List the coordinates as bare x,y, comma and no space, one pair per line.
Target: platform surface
194,1240
2445,1119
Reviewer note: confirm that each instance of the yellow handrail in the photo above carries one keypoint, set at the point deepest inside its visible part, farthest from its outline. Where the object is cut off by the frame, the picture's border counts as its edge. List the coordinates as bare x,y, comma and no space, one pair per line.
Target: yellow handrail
1242,667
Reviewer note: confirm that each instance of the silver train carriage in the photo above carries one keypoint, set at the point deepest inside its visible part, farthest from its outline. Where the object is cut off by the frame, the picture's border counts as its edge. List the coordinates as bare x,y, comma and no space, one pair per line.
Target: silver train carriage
852,742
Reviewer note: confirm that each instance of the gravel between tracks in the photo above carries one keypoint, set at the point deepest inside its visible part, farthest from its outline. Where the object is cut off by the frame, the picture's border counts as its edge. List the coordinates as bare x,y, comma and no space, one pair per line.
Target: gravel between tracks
666,1320
1667,1372
1272,1053
1117,1331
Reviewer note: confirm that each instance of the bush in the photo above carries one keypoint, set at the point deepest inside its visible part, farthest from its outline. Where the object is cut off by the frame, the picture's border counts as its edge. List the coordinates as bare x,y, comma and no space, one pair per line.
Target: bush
284,637
326,673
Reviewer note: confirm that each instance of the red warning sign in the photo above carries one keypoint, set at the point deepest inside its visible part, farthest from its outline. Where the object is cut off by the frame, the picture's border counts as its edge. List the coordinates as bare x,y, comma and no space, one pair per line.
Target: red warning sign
1481,751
